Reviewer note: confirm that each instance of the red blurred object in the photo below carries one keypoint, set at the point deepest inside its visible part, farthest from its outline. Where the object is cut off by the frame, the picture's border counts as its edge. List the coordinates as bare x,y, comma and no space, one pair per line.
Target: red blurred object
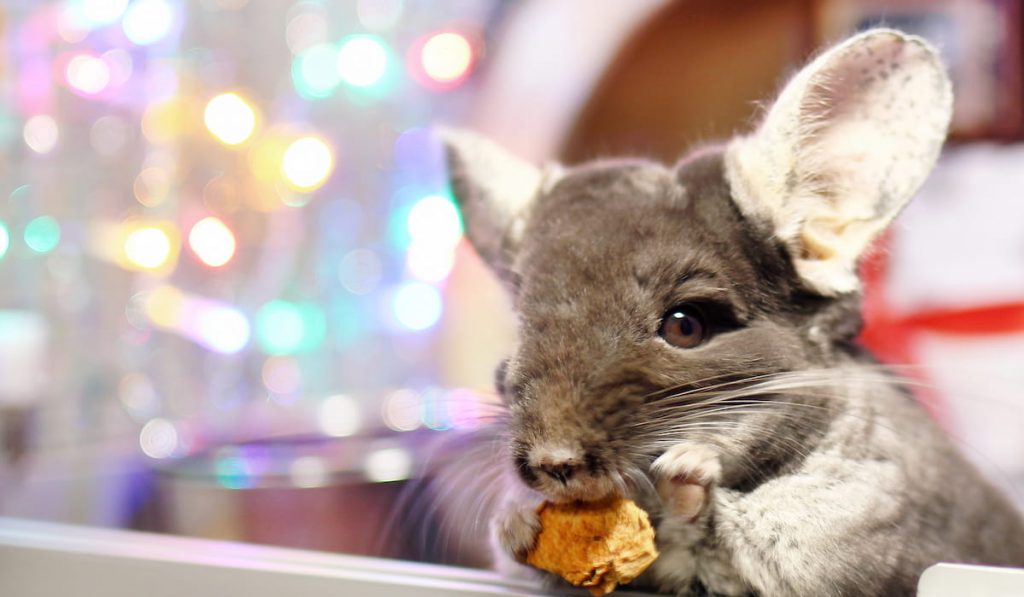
892,337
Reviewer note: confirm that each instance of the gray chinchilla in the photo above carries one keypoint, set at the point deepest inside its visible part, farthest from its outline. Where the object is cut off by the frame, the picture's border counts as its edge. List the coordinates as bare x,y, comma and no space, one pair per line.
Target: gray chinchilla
687,340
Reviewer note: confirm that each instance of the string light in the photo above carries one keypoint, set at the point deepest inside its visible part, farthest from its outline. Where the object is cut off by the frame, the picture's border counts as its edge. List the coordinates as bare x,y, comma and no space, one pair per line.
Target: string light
212,241
42,234
230,118
307,162
362,61
447,58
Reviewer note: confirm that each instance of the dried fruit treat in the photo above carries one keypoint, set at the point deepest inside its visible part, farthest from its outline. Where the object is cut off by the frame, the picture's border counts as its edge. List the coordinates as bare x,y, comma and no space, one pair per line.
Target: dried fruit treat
594,545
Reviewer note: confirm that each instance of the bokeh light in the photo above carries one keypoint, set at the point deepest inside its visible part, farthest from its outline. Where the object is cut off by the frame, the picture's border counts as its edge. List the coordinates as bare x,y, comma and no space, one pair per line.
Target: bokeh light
220,328
305,30
212,241
42,234
388,464
164,122
417,306
429,263
152,186
309,471
435,220
101,12
159,439
233,472
360,271
230,118
379,15
148,247
307,162
164,306
315,71
283,327
148,21
339,416
447,58
87,74
5,239
281,375
402,410
363,60
41,133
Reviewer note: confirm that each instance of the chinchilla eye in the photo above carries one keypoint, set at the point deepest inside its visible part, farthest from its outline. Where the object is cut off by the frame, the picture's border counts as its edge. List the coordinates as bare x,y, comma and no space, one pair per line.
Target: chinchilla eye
684,326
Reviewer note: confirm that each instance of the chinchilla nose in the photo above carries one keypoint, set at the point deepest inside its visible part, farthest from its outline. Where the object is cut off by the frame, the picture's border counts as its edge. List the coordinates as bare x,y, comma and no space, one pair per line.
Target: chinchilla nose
560,471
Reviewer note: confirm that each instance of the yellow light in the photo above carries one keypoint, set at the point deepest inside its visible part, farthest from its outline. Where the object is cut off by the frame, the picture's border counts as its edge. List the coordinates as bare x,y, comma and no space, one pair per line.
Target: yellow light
212,242
148,247
447,57
307,163
152,186
230,118
164,122
164,306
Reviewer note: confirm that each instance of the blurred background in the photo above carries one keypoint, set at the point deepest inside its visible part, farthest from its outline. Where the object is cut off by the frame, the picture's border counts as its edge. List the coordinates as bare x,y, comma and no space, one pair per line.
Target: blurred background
235,301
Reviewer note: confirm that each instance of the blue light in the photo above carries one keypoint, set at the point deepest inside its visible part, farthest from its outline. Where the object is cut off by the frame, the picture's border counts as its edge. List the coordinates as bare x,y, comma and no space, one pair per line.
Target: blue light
417,306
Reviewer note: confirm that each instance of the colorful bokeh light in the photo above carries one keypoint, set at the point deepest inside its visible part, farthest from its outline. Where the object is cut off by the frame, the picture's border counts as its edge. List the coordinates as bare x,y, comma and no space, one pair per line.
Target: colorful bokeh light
447,58
435,220
417,306
97,13
87,74
146,22
5,239
339,416
307,162
148,247
315,71
220,328
209,323
283,327
212,241
42,234
230,118
363,61
41,133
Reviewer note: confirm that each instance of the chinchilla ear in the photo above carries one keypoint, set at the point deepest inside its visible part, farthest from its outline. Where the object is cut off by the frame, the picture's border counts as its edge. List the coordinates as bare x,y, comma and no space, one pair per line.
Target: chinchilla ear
495,191
845,146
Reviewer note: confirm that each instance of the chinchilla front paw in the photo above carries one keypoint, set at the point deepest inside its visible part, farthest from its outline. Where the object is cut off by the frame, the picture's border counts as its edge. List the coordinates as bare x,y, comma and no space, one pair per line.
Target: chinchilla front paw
686,474
515,530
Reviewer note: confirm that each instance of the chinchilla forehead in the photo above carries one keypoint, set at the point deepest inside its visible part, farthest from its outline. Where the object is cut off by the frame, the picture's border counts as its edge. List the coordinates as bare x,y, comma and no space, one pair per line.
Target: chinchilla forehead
614,234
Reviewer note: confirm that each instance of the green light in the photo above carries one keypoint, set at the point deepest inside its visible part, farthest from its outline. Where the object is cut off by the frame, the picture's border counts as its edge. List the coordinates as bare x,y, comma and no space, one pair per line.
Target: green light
5,239
42,234
285,328
315,72
367,66
233,473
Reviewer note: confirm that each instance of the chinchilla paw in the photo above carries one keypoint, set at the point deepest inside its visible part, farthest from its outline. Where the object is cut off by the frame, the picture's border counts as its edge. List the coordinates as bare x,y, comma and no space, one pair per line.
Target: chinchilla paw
515,530
685,475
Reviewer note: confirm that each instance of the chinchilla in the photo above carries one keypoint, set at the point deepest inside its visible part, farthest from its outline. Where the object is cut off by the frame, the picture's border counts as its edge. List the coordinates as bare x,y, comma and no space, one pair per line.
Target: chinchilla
687,340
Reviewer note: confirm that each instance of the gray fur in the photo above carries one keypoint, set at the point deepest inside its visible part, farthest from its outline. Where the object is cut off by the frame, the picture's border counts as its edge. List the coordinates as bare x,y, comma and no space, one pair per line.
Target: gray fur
833,480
